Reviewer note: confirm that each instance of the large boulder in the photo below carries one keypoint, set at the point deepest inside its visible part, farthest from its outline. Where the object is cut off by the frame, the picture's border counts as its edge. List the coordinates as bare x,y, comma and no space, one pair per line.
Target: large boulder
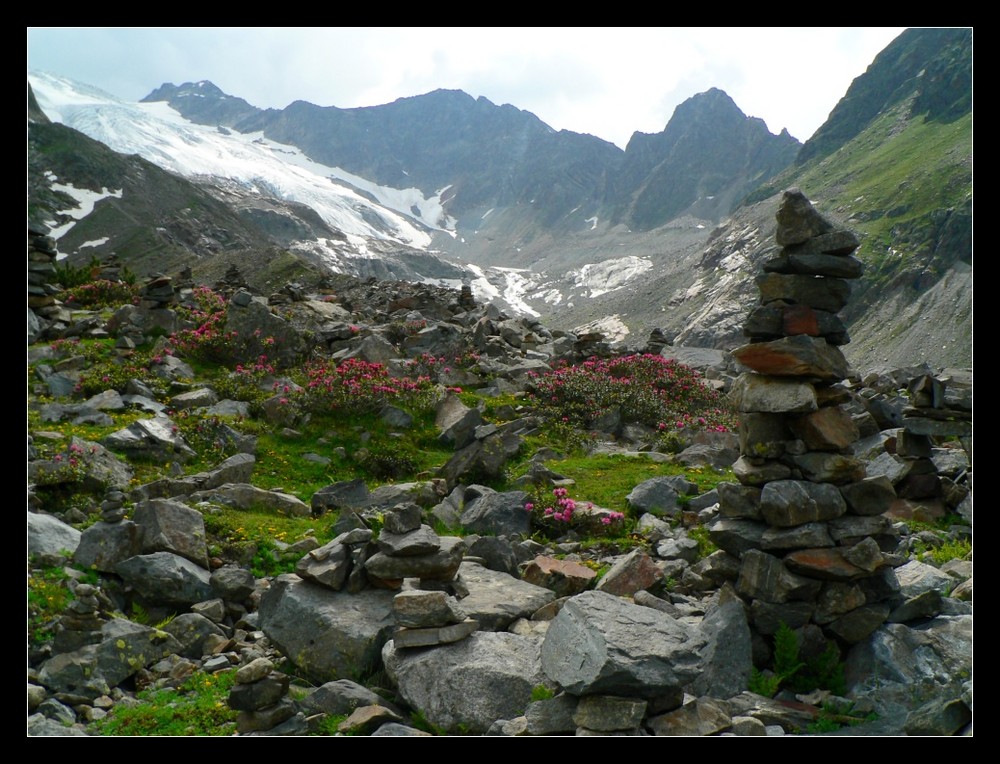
50,536
497,599
600,643
166,578
465,686
328,635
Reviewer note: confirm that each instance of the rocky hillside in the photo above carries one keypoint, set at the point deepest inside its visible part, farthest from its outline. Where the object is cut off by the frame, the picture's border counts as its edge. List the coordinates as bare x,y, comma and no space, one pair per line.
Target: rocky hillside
295,514
894,162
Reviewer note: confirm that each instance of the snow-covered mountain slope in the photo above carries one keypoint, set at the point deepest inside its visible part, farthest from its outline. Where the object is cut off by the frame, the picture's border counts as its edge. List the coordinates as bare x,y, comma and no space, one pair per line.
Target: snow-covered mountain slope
156,132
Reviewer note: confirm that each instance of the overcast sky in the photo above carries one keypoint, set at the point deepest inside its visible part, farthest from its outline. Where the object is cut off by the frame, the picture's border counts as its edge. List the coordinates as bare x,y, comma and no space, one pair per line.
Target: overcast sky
609,82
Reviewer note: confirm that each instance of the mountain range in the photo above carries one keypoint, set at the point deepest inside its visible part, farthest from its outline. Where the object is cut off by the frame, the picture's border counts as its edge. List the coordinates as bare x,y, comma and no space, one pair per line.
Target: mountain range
447,188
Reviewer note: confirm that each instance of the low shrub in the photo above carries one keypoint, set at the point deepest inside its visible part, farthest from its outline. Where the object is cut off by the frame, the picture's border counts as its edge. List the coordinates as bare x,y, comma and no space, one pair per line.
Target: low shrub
647,389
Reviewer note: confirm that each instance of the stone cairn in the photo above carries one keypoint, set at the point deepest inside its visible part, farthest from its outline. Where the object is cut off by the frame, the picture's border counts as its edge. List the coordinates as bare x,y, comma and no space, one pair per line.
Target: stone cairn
940,406
405,549
158,292
426,614
805,521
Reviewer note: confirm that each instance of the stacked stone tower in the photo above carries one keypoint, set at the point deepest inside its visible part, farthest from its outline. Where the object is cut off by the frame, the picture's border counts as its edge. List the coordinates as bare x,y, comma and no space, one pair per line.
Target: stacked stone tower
804,520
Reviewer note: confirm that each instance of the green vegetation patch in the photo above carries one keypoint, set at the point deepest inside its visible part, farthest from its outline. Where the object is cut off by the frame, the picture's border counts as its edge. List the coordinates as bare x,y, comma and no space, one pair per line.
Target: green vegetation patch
197,707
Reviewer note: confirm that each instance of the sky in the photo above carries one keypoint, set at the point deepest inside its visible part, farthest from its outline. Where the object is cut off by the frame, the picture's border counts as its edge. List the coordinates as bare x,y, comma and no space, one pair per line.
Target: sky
609,82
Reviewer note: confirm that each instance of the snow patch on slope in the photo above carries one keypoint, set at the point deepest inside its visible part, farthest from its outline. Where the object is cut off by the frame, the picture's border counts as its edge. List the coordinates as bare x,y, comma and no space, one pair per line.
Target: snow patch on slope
85,200
608,275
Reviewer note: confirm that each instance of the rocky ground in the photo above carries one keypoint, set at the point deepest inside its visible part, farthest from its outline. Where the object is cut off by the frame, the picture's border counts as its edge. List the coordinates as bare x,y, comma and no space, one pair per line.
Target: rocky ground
436,604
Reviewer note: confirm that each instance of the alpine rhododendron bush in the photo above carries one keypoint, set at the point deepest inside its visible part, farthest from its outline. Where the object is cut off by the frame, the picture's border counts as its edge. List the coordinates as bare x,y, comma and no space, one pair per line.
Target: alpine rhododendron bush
646,389
360,386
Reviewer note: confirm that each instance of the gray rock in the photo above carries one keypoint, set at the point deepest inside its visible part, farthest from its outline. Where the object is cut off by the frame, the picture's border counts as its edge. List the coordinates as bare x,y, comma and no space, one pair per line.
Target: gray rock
917,577
91,671
194,399
630,573
260,694
247,496
169,526
328,635
227,407
396,417
155,439
925,605
341,697
900,667
772,395
747,726
352,494
434,635
940,716
497,554
765,577
421,541
799,537
265,718
392,729
166,578
467,685
820,292
48,535
703,716
600,643
402,518
496,599
859,623
442,565
656,496
787,503
739,501
767,617
727,655
824,467
418,609
40,725
191,630
836,599
57,712
759,472
871,496
608,713
553,716
104,545
231,583
737,536
489,512
328,566
485,458
456,422
798,222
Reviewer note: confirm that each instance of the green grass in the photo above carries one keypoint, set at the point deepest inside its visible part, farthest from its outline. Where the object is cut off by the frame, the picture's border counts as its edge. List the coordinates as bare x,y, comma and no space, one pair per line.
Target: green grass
197,707
606,479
